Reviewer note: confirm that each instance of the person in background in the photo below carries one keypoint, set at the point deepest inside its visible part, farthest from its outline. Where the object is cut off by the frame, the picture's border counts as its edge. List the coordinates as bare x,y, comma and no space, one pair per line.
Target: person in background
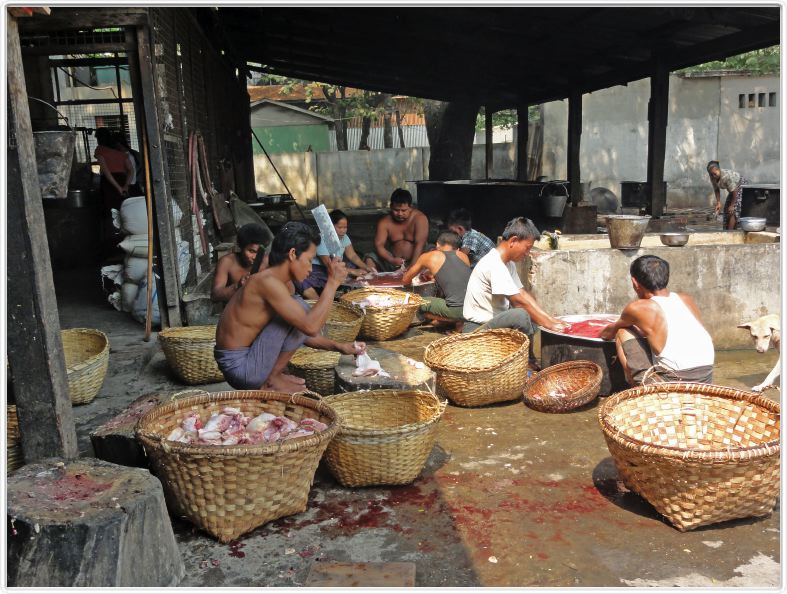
495,296
451,271
733,182
135,187
660,335
232,270
474,243
319,274
265,322
405,228
115,168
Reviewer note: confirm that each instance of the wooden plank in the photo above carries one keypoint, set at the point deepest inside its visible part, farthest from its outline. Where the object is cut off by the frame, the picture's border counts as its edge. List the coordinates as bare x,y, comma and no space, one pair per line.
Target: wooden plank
489,142
574,138
35,349
161,196
367,575
522,132
658,114
70,18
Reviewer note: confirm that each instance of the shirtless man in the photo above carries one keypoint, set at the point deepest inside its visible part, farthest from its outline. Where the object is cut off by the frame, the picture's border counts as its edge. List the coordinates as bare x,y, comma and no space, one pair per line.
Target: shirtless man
265,322
405,229
659,334
233,270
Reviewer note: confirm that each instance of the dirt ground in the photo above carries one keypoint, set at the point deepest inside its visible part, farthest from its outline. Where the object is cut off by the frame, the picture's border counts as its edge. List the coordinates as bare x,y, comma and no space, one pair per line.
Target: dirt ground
509,497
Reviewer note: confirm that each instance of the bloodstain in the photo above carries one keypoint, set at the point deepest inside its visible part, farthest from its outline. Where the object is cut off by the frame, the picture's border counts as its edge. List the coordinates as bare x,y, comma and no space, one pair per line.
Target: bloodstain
235,549
587,328
77,487
531,535
558,537
542,556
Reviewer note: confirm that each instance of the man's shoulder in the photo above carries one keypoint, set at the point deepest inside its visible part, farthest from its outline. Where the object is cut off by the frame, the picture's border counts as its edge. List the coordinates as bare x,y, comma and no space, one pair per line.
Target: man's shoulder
418,214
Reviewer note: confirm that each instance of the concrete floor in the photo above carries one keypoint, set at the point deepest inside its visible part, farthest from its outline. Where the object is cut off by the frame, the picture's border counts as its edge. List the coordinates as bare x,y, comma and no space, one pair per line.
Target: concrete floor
509,497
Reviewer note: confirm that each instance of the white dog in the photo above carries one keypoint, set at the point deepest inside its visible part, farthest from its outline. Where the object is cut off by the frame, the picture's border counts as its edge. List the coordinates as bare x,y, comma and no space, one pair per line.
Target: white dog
766,331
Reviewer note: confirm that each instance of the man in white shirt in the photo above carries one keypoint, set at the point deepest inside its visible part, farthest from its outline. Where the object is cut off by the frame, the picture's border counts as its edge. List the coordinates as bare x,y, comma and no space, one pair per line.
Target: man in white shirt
495,297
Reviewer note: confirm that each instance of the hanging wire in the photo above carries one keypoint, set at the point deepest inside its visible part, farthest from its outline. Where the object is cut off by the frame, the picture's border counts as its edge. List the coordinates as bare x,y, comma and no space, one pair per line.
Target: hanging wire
53,107
110,88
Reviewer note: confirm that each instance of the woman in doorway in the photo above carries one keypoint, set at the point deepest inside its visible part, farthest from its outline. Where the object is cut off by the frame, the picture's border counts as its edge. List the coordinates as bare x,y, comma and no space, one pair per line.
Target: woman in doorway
733,182
115,169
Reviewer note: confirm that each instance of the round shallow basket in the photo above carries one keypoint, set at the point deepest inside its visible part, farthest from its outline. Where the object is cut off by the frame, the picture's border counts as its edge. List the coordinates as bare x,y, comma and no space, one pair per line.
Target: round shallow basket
699,453
343,323
317,367
229,490
386,436
481,367
384,323
14,458
189,353
563,387
87,357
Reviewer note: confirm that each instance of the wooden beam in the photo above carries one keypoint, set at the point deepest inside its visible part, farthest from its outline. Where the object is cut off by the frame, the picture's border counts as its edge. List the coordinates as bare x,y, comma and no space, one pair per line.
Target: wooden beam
70,18
522,131
489,141
574,137
161,195
35,349
658,113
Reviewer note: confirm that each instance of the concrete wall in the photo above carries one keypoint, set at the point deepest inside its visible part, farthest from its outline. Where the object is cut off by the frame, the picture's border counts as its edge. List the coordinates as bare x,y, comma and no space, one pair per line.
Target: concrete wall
728,289
704,123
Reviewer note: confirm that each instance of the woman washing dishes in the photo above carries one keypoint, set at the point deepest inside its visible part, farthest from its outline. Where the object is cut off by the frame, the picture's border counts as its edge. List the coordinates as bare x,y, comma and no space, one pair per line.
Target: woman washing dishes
733,182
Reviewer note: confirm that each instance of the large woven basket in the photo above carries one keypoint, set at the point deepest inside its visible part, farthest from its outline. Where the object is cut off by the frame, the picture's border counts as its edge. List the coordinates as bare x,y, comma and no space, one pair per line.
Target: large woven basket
87,357
14,457
343,323
386,436
699,453
317,367
384,323
229,490
189,353
563,387
481,367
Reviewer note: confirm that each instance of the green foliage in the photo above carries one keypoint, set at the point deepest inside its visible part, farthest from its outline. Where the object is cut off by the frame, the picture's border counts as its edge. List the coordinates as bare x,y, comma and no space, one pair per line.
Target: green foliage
762,61
505,118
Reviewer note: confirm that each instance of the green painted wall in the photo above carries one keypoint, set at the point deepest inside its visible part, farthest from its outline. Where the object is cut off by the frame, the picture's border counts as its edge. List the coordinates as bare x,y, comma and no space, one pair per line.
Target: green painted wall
292,139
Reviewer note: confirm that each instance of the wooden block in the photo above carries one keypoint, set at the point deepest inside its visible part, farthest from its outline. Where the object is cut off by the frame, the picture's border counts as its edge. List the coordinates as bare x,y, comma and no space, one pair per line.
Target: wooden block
367,575
404,376
89,523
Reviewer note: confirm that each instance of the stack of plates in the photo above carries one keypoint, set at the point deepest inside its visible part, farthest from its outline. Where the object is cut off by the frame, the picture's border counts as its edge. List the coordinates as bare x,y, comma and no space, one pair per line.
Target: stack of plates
14,457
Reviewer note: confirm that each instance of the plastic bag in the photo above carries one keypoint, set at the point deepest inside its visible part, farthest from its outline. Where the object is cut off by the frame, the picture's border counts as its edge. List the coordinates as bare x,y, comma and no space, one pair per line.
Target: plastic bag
139,308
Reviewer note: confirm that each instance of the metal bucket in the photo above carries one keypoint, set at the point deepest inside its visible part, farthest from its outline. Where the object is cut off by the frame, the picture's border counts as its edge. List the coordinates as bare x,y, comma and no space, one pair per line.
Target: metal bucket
554,204
54,157
626,231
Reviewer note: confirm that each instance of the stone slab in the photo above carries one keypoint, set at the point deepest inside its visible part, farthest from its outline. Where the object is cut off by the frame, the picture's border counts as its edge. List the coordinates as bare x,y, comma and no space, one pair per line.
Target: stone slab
404,376
367,575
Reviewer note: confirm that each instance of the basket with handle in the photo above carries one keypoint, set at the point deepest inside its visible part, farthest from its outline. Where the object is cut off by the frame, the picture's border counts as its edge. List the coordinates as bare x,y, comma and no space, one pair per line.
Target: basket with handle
86,352
481,367
563,387
317,367
384,323
229,490
698,453
189,353
386,436
343,323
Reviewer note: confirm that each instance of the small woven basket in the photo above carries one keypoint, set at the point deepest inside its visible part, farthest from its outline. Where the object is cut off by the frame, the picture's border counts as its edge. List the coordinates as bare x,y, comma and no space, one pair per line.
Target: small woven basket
229,490
699,453
189,353
343,323
563,387
481,367
14,457
317,367
87,357
384,323
386,436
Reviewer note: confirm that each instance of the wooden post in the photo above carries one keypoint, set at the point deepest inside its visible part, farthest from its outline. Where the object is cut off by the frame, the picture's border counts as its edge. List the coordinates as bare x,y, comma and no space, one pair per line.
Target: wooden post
574,137
522,132
489,146
35,349
161,198
658,114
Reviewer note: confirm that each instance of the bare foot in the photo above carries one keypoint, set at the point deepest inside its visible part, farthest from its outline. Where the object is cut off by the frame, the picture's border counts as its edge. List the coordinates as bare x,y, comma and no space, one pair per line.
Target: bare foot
294,379
282,383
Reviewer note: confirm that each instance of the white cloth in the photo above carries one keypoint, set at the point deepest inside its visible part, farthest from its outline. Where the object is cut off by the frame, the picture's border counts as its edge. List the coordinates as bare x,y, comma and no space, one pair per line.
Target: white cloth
491,284
688,344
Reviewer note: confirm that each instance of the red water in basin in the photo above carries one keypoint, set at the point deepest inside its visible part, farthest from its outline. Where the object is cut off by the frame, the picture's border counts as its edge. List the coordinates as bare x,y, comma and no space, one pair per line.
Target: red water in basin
587,328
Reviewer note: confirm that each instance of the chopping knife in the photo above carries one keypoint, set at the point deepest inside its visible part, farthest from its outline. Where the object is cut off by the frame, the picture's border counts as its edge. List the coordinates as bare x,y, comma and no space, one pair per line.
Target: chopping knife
327,231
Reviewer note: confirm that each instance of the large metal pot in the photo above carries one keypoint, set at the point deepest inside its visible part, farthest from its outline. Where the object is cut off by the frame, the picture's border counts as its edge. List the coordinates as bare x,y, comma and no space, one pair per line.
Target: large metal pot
675,239
626,231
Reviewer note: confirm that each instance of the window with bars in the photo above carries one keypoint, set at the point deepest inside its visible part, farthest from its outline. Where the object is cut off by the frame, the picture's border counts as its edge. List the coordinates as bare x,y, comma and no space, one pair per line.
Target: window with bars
751,100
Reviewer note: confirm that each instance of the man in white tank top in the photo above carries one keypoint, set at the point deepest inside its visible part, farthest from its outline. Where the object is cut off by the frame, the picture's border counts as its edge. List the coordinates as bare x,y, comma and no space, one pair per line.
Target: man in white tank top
659,335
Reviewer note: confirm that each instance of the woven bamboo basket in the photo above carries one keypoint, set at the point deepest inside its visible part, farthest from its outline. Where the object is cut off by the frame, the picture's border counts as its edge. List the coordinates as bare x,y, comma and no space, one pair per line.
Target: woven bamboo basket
386,436
189,353
87,357
563,387
384,323
699,453
343,323
481,367
229,490
317,367
14,457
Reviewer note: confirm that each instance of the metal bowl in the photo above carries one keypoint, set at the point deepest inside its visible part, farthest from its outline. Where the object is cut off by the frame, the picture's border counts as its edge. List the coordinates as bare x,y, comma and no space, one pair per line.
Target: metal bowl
674,239
752,223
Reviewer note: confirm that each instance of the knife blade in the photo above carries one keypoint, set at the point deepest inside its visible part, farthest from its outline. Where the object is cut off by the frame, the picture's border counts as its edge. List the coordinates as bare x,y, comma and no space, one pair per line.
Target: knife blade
327,230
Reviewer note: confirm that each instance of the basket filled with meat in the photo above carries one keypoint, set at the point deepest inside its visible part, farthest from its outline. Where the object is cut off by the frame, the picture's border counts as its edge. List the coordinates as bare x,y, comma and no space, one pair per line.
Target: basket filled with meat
387,312
232,461
343,323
